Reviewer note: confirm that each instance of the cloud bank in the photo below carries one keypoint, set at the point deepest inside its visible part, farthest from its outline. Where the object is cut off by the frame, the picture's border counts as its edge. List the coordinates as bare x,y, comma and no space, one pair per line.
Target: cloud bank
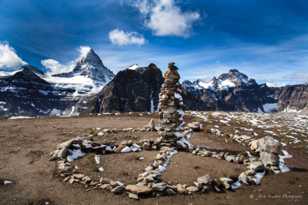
8,57
165,18
122,38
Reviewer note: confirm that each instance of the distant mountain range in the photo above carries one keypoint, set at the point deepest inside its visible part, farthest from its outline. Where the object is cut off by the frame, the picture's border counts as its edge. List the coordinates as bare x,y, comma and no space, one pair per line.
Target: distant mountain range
91,88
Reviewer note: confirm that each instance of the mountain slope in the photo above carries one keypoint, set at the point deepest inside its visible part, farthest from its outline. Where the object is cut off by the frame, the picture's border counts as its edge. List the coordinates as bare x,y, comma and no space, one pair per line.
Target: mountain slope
293,97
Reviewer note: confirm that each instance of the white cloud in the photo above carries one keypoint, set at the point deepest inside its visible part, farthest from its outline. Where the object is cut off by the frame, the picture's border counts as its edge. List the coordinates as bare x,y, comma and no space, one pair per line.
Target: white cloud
8,57
54,67
83,51
122,38
165,18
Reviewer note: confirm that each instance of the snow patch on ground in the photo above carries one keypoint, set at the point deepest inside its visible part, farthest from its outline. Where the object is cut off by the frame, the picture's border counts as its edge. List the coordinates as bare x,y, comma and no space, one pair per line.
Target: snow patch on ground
270,107
20,117
75,154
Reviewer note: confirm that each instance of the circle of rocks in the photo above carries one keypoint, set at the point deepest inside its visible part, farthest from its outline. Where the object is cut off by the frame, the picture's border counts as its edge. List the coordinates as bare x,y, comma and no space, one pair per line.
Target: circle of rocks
265,158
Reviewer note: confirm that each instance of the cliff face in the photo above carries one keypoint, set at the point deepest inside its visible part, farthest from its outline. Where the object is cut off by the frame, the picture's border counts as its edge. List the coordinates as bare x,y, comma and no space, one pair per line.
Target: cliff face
132,90
293,97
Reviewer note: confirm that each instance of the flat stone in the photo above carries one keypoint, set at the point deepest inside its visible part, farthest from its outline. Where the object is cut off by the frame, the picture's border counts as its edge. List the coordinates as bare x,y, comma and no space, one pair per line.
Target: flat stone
78,176
204,180
86,179
106,187
138,189
181,188
195,126
192,189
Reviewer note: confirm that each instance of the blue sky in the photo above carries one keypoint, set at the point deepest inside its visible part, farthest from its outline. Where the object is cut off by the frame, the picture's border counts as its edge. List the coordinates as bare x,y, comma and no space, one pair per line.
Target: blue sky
266,39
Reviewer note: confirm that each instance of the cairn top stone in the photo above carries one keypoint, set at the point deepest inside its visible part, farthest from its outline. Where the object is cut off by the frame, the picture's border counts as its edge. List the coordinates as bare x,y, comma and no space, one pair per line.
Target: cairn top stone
171,74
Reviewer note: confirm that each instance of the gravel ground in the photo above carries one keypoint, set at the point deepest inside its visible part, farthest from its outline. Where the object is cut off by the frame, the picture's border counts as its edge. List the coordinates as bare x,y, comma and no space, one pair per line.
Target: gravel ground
26,144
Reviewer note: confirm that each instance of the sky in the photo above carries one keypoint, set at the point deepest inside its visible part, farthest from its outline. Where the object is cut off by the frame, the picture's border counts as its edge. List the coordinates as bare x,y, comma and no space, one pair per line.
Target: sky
265,39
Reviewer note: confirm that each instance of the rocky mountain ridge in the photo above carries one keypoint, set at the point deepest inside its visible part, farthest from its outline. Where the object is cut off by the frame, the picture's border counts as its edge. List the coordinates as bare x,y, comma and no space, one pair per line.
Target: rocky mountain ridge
234,91
92,88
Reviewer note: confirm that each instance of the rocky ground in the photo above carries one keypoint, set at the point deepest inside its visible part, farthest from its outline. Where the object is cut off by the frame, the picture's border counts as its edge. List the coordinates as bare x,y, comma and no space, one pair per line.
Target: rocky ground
28,177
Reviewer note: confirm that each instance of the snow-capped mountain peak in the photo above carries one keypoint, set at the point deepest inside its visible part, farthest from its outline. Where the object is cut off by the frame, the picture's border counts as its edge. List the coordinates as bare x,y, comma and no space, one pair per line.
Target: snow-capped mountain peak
88,55
233,78
89,65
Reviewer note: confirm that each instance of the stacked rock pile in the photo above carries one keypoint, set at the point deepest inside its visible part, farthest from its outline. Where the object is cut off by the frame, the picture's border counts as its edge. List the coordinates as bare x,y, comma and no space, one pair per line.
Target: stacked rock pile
171,110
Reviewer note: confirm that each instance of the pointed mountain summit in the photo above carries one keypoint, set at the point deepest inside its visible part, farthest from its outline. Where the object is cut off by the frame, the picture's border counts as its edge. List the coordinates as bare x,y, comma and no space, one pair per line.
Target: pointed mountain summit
90,65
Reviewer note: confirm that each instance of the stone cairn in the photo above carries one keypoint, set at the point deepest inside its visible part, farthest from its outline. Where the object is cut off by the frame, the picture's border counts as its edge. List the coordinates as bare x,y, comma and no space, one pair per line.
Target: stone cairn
171,110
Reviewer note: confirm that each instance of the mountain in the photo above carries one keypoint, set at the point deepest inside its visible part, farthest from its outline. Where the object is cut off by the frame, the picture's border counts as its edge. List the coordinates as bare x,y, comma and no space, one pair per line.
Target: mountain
232,91
91,66
26,93
30,92
135,89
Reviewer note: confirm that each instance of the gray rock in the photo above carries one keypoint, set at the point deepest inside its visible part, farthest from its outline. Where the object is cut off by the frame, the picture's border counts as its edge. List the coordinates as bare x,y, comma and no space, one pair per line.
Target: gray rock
118,189
170,191
160,187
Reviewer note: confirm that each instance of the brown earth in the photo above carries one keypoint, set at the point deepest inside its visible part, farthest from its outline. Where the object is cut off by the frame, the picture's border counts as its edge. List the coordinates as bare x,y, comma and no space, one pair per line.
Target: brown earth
26,144
182,172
